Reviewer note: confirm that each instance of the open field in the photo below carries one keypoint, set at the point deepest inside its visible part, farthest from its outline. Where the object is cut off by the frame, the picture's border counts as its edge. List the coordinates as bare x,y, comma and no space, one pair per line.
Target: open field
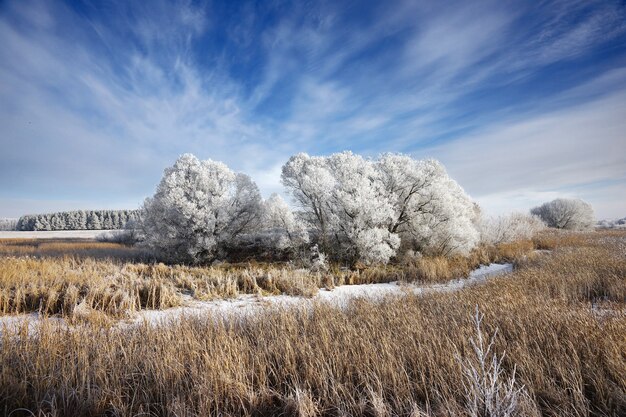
71,248
312,209
58,234
560,320
68,277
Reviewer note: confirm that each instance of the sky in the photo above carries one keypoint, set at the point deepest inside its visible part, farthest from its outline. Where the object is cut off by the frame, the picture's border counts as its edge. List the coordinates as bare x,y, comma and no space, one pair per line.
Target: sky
523,102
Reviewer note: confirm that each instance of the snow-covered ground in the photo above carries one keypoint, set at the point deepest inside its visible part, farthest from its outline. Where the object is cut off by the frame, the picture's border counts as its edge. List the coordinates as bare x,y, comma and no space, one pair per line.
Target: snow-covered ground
58,234
252,304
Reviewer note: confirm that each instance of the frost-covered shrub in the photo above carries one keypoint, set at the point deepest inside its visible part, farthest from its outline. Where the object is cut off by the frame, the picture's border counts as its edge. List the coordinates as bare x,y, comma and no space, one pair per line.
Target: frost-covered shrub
319,262
199,208
129,235
569,214
125,237
509,228
488,391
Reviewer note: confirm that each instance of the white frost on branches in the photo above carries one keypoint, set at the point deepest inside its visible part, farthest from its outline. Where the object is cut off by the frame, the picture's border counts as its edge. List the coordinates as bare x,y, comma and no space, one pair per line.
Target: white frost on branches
355,209
569,214
343,201
432,213
509,228
283,228
199,207
359,212
362,208
487,392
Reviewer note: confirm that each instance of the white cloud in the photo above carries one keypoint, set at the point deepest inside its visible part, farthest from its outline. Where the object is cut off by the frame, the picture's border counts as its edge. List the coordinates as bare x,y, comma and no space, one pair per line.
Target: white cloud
86,109
513,163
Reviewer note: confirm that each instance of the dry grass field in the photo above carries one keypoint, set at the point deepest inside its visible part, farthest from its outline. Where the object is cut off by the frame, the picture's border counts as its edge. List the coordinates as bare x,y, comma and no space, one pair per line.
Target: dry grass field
552,343
58,276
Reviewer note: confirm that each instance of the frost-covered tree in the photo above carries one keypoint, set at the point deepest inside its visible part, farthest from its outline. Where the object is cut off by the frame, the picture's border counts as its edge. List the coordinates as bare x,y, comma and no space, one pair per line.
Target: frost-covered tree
343,201
281,226
569,214
93,221
310,183
509,228
361,208
360,211
8,224
431,211
199,207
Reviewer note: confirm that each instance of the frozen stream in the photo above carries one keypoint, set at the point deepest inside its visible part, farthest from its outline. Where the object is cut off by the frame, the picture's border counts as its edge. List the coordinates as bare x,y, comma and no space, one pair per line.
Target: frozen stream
339,296
250,304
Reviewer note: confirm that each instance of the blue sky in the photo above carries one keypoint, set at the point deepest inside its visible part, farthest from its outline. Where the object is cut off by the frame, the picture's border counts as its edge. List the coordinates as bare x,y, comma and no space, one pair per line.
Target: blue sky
522,101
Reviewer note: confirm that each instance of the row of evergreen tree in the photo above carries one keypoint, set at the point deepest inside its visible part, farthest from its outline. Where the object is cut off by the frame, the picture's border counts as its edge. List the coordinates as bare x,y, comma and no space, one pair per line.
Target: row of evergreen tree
78,220
8,224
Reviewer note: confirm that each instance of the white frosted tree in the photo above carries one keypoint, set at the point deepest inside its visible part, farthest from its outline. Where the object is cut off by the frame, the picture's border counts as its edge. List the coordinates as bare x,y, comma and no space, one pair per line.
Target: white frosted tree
310,183
8,224
343,202
199,207
431,211
360,212
282,228
361,208
564,213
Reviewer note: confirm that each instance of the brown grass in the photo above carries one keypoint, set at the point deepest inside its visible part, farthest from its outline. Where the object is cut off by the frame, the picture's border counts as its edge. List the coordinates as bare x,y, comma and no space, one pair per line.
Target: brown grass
561,320
59,286
55,276
438,269
78,248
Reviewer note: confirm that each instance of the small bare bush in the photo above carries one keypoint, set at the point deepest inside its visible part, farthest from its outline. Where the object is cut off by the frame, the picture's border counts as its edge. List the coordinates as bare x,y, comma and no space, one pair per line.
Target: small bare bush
488,392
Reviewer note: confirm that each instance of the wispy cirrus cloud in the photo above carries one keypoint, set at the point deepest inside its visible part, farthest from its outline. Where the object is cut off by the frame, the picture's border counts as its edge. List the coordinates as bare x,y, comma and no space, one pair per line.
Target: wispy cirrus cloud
573,152
95,100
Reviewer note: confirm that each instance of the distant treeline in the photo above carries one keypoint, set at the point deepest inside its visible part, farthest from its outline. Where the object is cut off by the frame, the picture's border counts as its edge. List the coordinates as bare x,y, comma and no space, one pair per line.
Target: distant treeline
78,220
8,224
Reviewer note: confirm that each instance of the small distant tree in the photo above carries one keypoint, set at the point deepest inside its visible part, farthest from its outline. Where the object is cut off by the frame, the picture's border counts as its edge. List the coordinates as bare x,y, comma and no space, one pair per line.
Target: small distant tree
612,224
568,214
199,207
93,221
